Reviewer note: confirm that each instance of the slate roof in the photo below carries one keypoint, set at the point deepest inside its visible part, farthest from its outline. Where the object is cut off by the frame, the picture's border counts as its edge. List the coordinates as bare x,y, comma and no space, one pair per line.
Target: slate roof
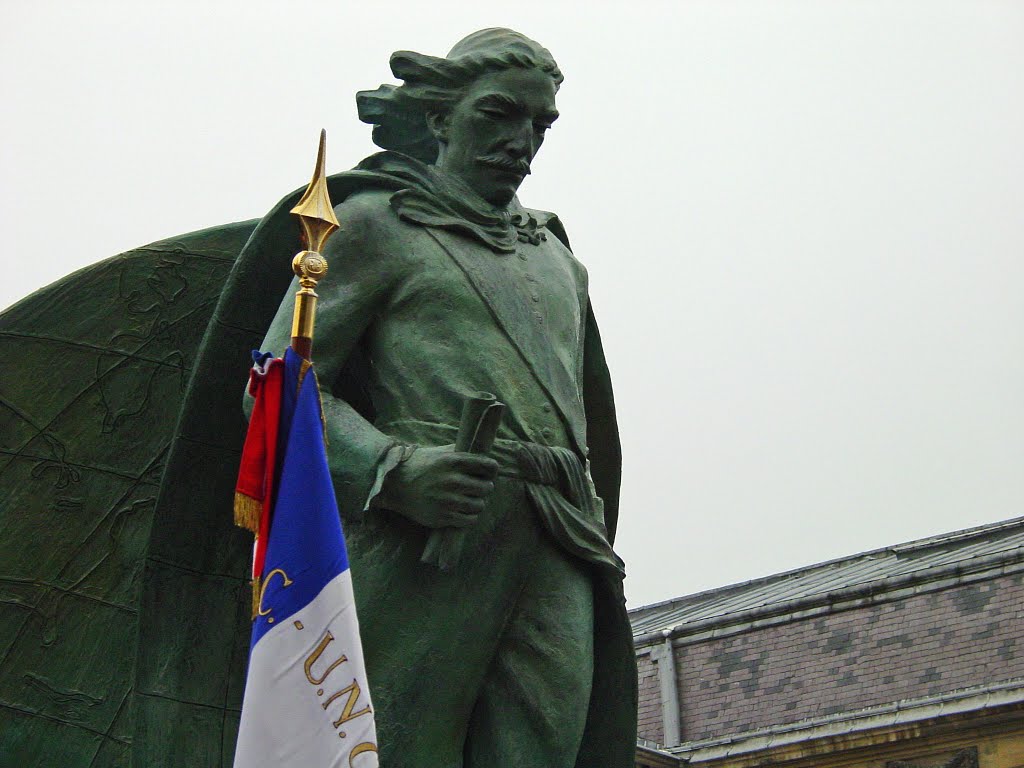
866,575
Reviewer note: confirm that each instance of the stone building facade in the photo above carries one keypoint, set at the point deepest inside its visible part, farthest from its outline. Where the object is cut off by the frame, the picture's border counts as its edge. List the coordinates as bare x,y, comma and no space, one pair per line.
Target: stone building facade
909,656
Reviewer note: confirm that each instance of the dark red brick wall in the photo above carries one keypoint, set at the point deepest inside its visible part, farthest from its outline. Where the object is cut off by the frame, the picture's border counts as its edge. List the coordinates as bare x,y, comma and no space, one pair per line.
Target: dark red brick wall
649,724
919,646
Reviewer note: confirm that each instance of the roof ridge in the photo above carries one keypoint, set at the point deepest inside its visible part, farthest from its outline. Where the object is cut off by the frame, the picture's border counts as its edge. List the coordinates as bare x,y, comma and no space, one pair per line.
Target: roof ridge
891,550
957,536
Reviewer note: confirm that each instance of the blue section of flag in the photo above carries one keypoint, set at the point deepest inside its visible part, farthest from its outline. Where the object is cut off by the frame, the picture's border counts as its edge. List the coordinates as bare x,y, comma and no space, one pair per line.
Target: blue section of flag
306,547
289,399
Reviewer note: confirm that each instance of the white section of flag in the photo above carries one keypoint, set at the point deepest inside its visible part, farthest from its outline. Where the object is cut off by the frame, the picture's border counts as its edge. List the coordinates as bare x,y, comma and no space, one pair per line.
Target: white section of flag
289,713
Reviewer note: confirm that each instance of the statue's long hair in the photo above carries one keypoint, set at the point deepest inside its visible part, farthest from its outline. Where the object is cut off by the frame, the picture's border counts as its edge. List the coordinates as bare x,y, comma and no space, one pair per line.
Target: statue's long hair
398,112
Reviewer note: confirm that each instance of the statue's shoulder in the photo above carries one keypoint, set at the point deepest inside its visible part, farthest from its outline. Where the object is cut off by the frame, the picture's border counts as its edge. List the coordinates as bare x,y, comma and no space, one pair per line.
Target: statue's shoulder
368,207
549,221
368,222
555,231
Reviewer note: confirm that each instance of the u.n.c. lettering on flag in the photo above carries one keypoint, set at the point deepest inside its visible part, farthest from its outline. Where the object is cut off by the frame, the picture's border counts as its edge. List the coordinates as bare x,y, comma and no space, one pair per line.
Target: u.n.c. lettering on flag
307,700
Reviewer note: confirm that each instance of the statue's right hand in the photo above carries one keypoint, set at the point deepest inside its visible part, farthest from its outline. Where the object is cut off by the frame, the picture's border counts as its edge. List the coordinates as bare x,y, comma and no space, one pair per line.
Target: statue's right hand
439,488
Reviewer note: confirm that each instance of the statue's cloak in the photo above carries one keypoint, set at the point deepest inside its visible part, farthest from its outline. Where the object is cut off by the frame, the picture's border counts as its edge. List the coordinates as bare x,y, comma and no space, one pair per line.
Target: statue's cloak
124,594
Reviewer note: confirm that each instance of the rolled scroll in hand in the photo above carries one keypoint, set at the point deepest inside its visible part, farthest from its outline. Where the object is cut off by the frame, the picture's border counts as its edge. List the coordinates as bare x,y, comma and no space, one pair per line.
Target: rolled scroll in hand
481,417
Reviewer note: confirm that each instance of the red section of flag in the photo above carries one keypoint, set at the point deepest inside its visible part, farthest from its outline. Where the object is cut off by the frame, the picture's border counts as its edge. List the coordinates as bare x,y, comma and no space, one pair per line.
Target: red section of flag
259,454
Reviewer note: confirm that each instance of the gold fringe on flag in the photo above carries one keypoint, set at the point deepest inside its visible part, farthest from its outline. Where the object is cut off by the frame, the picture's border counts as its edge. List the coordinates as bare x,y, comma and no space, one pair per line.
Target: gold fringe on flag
247,512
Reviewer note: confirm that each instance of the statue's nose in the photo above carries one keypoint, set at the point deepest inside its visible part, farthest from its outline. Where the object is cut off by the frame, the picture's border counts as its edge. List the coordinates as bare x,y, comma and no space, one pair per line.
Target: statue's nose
517,149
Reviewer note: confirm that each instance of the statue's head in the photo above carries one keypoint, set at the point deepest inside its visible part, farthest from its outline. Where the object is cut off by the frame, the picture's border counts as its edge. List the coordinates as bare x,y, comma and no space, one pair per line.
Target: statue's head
480,113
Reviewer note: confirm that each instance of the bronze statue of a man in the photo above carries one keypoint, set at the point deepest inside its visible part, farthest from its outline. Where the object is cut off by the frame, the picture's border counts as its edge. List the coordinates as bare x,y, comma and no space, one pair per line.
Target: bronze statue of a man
442,286
124,611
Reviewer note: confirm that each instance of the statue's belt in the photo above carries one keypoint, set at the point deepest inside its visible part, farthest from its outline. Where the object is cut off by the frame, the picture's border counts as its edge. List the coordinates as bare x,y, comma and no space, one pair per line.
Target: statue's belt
565,500
558,488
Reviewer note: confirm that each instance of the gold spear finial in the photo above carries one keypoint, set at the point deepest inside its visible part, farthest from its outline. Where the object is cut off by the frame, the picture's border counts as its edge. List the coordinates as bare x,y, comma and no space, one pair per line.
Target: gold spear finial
316,214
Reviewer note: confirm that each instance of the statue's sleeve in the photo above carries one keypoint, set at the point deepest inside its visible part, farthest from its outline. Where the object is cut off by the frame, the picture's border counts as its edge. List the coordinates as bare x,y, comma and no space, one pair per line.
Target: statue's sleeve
605,451
355,290
602,428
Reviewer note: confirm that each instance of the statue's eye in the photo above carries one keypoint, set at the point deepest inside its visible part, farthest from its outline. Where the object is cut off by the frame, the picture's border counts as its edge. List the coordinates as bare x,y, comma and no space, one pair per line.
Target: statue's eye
494,112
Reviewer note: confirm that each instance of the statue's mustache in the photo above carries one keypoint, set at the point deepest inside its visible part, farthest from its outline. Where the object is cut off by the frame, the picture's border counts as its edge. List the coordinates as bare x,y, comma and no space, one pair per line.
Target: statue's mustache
521,167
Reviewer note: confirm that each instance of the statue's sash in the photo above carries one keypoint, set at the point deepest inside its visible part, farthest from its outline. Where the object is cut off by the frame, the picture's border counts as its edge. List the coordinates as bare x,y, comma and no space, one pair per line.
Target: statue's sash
524,328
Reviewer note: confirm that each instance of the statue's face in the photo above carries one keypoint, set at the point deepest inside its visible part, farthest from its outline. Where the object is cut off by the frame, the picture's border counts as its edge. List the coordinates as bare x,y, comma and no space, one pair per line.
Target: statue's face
493,132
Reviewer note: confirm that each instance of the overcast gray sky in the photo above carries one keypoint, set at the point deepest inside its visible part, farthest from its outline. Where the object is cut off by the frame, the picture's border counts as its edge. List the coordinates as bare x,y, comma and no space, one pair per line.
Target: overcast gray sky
803,223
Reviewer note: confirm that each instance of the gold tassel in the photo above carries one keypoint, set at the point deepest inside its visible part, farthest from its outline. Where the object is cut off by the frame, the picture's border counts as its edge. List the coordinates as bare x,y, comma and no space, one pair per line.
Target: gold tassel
255,597
248,512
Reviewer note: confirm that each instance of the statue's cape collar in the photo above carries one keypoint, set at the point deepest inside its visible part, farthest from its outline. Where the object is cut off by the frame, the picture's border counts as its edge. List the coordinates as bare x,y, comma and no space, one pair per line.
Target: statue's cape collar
425,196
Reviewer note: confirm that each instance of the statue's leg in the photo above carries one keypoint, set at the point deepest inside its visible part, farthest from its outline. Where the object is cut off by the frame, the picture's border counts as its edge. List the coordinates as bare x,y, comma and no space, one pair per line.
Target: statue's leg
533,704
429,636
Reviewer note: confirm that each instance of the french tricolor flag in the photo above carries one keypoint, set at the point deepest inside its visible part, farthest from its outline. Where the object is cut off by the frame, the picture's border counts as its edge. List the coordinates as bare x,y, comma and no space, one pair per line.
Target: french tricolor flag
306,701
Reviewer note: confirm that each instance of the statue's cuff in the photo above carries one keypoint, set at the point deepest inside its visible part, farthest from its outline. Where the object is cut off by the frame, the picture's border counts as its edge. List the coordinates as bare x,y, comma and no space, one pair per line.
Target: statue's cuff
392,457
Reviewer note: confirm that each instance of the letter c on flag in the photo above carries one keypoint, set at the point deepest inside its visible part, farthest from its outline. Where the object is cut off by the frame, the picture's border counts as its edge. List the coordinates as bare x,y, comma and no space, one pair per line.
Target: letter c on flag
286,582
366,746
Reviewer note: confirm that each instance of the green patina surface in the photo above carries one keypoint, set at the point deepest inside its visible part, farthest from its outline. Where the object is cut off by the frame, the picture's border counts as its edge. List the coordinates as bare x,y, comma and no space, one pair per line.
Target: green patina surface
100,364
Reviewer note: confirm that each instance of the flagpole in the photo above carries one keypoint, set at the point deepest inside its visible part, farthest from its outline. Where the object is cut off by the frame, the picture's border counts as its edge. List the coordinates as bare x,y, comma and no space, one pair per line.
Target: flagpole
252,494
316,215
